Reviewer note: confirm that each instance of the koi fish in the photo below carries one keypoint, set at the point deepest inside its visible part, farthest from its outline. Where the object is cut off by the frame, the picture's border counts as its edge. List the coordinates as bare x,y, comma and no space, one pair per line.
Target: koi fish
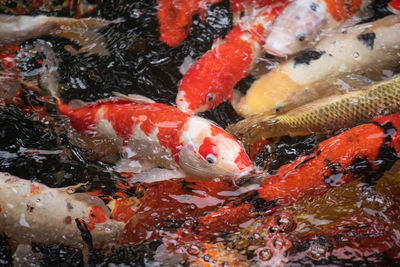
141,129
336,61
394,6
70,8
175,18
32,212
325,115
365,151
301,22
173,200
338,220
210,80
16,29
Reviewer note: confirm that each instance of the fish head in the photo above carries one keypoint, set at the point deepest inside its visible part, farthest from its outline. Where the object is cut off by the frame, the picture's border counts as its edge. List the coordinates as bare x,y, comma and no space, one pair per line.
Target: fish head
196,98
210,152
296,27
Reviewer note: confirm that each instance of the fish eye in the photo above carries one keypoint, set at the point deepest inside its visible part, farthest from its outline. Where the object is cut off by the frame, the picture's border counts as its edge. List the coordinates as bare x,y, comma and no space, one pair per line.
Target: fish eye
211,159
210,97
301,37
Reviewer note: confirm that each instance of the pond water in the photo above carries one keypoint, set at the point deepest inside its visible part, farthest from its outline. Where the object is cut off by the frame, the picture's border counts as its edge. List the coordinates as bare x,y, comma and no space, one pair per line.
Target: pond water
345,227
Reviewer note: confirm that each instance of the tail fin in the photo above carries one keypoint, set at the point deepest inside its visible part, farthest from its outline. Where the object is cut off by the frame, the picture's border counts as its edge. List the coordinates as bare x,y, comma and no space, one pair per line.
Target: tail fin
49,77
84,32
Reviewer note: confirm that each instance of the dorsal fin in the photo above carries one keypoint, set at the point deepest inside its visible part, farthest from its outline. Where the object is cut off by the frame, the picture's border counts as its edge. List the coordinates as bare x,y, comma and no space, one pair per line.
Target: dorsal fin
134,98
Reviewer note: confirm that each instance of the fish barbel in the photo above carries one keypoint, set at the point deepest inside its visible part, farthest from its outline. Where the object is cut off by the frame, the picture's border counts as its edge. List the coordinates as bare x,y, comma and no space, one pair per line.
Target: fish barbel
325,115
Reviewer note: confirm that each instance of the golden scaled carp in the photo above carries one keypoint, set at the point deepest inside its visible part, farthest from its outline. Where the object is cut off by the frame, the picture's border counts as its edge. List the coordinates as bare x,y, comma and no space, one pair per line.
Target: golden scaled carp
343,60
325,115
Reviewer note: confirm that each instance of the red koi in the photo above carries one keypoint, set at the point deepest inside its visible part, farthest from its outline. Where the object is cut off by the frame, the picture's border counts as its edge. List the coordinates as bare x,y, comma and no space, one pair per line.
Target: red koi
142,129
210,80
175,18
394,6
364,151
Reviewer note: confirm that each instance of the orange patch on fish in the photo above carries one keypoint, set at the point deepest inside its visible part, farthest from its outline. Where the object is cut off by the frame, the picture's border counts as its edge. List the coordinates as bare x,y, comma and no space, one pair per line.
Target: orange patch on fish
35,190
96,215
343,9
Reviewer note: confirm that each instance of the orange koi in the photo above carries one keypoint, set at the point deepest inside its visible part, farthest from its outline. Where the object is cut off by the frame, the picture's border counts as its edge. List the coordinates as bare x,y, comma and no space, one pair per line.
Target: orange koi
175,18
394,6
365,151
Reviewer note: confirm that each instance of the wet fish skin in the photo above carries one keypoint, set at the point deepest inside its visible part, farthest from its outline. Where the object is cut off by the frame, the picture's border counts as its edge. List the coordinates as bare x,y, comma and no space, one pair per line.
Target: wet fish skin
325,115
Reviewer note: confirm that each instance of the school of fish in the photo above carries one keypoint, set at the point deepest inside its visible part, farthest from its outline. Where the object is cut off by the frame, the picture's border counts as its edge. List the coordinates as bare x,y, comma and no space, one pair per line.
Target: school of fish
195,188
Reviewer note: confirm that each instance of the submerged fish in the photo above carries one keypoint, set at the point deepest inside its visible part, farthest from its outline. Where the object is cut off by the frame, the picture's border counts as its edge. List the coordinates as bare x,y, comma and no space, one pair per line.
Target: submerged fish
341,58
325,115
365,151
70,8
14,29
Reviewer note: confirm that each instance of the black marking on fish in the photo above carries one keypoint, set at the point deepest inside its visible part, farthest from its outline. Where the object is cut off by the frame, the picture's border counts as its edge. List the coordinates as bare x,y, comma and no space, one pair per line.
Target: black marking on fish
367,39
259,204
387,155
186,185
307,160
360,166
29,208
307,56
69,206
337,171
87,238
314,6
388,130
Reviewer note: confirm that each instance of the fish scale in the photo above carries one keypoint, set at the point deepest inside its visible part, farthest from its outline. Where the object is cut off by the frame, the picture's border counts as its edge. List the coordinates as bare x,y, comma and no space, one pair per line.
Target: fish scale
326,115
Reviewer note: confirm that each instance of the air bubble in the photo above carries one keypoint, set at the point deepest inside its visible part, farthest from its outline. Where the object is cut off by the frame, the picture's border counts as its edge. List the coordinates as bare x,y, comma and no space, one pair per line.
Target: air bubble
264,254
108,228
317,251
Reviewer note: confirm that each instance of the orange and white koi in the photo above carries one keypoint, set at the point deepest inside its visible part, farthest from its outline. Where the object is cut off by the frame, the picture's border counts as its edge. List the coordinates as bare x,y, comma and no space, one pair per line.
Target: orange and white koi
303,20
142,129
211,79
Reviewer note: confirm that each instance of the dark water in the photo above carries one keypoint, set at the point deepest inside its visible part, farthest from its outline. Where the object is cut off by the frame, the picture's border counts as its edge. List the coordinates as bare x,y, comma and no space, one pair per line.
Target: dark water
138,64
